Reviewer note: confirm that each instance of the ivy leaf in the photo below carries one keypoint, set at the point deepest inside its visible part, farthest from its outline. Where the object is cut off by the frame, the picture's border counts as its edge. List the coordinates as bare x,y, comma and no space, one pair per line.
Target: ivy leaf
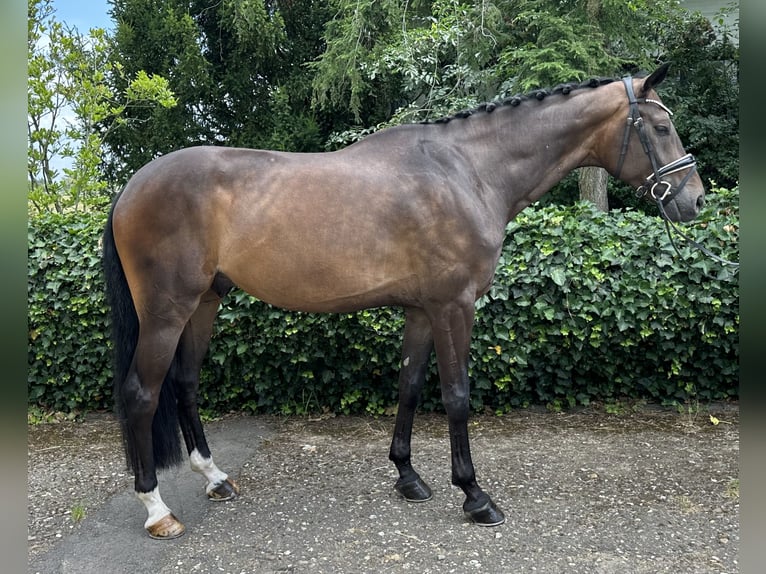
558,276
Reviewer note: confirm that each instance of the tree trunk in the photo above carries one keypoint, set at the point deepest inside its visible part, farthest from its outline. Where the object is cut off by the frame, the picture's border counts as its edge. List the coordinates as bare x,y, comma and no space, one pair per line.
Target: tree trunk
592,181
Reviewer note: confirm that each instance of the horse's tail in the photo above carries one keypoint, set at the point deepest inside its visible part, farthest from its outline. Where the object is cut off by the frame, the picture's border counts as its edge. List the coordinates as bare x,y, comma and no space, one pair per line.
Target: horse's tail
165,436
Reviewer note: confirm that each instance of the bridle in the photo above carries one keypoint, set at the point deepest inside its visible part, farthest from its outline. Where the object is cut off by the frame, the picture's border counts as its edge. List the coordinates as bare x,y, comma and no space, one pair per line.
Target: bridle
661,191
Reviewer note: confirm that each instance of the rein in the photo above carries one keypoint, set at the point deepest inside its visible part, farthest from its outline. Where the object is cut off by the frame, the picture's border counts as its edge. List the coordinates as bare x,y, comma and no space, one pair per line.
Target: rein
669,225
654,183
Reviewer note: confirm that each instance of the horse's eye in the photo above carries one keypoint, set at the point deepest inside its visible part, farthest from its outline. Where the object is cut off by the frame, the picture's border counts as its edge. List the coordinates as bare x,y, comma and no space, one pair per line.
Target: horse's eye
662,130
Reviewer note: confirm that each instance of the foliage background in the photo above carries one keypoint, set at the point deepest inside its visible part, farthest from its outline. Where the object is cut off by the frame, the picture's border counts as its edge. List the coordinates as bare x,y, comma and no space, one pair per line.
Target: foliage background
586,306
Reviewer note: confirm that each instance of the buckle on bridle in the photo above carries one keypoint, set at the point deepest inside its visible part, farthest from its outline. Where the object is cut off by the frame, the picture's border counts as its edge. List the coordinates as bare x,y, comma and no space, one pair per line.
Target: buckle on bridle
666,192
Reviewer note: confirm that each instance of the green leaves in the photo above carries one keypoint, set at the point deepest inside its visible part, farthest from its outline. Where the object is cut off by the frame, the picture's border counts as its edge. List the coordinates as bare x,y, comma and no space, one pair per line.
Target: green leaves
605,308
68,352
558,275
147,89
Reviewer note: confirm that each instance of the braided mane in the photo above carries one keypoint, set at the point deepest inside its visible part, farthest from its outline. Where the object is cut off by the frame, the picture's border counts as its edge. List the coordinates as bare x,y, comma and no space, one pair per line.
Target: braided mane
538,94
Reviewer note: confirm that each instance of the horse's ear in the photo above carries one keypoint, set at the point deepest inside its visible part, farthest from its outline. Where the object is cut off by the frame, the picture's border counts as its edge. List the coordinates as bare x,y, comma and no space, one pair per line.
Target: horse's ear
655,79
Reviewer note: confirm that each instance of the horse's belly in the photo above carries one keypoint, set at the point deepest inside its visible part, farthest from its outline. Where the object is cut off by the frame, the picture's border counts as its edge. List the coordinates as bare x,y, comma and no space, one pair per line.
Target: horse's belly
317,281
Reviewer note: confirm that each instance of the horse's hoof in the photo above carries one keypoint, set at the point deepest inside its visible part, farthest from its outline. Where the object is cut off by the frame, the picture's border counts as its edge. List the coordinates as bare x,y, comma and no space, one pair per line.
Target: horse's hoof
166,528
227,490
486,515
414,490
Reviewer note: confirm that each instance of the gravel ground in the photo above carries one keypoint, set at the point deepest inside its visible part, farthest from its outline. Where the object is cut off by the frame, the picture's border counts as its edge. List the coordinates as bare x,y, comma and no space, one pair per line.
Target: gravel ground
648,491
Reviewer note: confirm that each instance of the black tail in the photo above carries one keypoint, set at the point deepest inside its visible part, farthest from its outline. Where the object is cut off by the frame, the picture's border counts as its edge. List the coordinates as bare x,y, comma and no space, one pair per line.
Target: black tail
165,436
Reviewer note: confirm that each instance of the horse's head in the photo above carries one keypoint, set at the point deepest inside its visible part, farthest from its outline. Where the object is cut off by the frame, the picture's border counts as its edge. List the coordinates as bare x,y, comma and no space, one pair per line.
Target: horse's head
651,156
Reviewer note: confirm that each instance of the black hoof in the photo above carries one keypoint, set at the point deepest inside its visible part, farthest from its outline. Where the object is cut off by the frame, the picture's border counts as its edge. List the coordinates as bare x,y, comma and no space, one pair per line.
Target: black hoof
414,490
486,515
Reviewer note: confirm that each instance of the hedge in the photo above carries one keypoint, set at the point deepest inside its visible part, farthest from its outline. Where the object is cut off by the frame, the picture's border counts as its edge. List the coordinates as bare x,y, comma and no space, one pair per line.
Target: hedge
586,306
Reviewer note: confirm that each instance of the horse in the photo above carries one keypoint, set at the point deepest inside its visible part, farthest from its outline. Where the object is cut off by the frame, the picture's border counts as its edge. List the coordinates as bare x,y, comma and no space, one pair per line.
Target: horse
412,216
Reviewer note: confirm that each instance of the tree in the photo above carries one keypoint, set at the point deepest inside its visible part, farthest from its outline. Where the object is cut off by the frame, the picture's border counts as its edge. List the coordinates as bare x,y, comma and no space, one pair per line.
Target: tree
416,61
162,38
236,68
46,103
394,62
703,92
346,77
592,182
70,107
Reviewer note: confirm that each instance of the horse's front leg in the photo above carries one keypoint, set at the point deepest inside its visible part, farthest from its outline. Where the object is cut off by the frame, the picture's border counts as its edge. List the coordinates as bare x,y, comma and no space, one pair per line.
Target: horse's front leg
416,349
451,326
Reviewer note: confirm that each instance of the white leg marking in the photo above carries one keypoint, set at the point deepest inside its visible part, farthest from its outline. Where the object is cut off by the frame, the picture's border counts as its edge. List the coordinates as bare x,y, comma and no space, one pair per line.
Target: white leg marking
207,468
154,506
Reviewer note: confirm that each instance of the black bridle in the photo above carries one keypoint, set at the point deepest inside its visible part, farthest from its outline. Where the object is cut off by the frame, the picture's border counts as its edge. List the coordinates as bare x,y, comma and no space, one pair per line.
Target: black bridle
661,191
653,183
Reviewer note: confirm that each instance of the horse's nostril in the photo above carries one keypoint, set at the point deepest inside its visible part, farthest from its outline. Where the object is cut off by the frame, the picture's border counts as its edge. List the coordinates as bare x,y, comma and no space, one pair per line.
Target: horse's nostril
700,201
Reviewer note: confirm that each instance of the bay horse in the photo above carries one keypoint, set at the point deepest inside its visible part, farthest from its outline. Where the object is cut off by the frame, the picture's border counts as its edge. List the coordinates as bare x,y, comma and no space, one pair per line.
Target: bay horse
411,216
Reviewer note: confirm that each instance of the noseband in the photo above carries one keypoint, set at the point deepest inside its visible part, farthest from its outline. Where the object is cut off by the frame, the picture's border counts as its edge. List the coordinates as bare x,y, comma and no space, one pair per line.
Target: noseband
661,191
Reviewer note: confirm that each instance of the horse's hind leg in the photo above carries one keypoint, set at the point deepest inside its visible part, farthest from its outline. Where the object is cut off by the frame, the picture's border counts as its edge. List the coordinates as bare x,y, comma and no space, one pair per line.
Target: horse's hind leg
152,441
416,349
192,349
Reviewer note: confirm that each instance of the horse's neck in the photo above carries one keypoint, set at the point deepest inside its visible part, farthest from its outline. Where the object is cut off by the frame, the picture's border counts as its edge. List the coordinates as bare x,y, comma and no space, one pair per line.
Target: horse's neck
524,151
